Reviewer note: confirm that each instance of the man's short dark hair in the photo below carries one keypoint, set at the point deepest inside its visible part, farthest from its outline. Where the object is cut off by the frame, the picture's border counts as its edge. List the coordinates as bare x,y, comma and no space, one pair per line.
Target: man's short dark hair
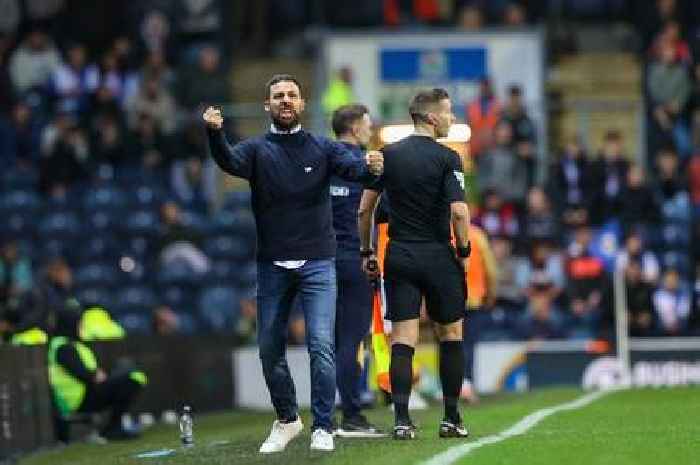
421,103
280,78
345,116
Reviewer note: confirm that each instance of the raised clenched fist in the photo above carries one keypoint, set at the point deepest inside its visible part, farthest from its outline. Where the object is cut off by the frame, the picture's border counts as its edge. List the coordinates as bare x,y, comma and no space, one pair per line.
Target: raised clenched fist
212,117
375,162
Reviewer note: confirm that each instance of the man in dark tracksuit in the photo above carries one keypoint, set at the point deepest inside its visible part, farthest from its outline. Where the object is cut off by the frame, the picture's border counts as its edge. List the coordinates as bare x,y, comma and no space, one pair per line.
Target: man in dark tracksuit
352,127
289,171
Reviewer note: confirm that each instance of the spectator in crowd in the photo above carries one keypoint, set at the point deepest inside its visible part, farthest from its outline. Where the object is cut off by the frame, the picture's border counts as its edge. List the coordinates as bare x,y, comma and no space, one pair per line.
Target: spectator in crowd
542,271
609,172
109,142
179,244
66,164
542,320
150,147
16,275
111,76
496,217
587,284
671,34
34,62
339,91
155,67
20,134
639,300
245,328
205,83
501,162
694,182
194,183
483,114
639,207
570,183
155,102
7,91
669,88
672,304
74,80
165,321
509,295
670,181
634,251
514,15
470,18
523,131
540,222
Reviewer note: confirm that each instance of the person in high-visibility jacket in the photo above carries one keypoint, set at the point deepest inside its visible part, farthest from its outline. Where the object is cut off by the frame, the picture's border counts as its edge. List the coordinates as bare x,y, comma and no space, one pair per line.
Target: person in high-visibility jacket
79,385
481,283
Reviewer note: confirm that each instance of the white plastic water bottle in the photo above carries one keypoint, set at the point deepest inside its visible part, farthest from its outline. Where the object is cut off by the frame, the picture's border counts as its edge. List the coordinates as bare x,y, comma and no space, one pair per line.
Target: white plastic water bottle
186,426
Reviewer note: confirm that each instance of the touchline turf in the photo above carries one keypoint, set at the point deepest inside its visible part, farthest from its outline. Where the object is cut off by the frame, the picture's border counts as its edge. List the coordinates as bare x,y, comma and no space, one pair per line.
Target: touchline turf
636,427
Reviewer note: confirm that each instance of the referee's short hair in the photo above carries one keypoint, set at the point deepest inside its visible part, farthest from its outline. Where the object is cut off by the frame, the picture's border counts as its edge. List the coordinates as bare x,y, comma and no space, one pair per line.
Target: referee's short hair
344,117
423,101
280,78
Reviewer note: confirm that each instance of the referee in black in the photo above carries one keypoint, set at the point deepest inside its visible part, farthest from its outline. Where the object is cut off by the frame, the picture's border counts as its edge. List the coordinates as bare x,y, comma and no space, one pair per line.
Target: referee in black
424,183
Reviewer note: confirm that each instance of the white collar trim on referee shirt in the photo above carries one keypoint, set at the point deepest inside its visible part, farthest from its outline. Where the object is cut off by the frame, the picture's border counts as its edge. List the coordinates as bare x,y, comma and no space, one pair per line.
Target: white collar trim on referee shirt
294,130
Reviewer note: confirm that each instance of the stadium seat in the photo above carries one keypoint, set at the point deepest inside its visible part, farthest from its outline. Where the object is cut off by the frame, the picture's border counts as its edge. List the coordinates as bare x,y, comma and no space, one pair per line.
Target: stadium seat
59,225
19,179
20,200
89,296
247,274
219,307
102,274
141,223
228,247
99,221
144,196
677,209
135,323
102,246
196,222
178,273
179,297
135,299
107,197
18,224
188,324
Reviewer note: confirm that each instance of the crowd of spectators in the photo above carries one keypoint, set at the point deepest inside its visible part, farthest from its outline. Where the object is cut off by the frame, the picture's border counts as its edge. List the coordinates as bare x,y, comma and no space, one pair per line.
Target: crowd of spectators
104,171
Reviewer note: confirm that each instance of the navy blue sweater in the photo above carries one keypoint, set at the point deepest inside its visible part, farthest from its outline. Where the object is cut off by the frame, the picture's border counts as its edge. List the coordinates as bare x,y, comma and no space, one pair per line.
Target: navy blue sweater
345,196
289,176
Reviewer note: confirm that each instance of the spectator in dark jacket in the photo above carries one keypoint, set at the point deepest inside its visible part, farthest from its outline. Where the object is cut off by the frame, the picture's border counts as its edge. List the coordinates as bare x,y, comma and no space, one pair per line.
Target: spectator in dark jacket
570,184
609,173
639,207
639,304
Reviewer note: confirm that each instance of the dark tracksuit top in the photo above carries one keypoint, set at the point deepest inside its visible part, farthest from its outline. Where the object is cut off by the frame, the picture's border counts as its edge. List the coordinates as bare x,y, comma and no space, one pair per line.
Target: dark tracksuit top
345,197
289,176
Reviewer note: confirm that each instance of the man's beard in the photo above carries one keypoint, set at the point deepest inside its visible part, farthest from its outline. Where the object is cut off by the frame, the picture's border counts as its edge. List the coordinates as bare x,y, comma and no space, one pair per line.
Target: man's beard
285,125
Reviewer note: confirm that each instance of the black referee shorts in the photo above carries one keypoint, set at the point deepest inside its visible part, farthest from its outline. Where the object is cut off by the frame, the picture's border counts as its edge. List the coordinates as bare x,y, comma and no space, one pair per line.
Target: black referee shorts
430,269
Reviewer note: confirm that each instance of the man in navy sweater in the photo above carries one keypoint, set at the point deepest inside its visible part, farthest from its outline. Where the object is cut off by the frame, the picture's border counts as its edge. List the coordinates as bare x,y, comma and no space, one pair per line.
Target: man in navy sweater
289,171
353,128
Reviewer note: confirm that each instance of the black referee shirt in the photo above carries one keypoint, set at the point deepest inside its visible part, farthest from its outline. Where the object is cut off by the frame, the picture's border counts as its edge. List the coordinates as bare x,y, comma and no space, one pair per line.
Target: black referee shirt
421,179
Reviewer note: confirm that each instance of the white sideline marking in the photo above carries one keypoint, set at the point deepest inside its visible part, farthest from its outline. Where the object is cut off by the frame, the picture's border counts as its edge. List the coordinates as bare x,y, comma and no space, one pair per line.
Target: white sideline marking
455,453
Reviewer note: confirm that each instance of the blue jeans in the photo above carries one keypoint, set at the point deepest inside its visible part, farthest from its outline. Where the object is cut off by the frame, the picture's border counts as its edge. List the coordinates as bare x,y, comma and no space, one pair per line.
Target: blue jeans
314,284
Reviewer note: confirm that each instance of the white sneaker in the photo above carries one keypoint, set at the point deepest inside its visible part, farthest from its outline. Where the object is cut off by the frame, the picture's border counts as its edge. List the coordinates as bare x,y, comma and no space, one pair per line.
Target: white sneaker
322,440
280,436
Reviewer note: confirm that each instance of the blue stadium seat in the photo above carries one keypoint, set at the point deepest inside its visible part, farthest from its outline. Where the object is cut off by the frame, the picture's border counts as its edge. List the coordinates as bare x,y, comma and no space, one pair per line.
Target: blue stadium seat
105,197
677,260
247,274
101,246
95,296
102,274
21,179
677,209
223,272
20,200
178,297
196,222
99,221
676,236
59,225
135,323
188,323
141,223
144,196
136,299
219,307
228,247
178,273
18,224
53,247
138,247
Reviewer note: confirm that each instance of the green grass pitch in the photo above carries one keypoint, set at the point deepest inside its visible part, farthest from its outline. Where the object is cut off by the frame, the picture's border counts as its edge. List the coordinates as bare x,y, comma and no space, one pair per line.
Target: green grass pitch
638,427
